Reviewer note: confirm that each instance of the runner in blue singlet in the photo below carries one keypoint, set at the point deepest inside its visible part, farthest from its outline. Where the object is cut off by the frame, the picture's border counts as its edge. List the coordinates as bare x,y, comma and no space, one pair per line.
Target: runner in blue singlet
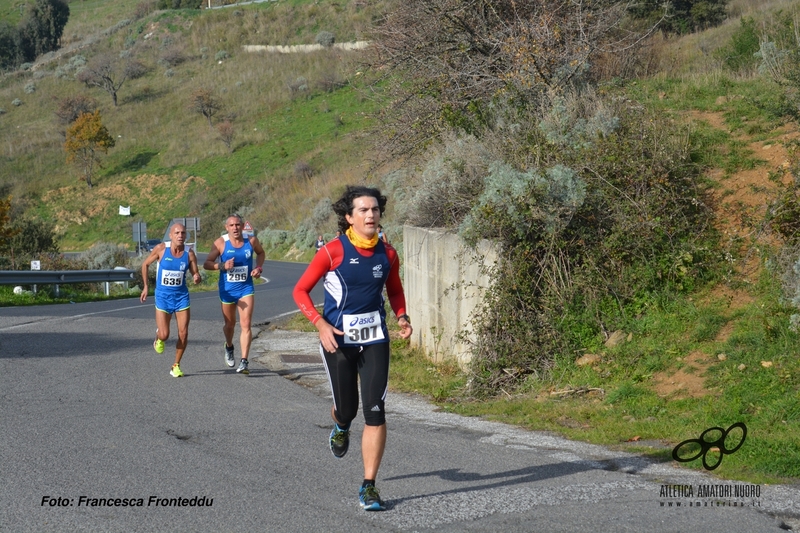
172,293
237,256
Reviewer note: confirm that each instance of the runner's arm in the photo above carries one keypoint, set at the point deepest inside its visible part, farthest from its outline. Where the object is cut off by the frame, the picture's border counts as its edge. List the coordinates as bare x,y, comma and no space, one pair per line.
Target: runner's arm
193,267
397,298
211,259
155,255
261,255
320,265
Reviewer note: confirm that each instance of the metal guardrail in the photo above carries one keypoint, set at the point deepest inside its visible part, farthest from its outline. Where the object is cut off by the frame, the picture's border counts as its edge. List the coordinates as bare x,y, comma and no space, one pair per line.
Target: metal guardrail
57,277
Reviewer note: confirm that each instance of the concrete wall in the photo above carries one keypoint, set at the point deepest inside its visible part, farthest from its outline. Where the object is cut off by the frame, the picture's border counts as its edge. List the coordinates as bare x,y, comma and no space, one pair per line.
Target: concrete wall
443,285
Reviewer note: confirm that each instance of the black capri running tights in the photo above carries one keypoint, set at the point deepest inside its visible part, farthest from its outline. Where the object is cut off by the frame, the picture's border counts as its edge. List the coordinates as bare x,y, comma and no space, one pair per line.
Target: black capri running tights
344,367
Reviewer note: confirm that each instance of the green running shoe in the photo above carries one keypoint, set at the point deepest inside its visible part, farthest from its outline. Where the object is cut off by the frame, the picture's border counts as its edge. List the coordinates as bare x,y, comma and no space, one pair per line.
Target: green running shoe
176,371
158,345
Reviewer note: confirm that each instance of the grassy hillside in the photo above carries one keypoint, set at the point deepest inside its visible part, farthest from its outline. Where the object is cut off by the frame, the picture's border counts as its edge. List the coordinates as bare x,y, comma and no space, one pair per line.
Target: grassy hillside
295,117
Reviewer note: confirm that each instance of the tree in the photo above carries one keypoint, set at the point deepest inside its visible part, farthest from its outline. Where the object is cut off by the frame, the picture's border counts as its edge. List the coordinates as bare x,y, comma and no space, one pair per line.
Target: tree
71,107
43,26
462,57
682,16
205,103
32,238
226,133
109,73
85,139
9,50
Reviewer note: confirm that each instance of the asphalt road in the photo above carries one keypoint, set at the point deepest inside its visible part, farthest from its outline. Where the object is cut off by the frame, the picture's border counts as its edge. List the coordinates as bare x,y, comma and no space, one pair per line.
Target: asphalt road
89,412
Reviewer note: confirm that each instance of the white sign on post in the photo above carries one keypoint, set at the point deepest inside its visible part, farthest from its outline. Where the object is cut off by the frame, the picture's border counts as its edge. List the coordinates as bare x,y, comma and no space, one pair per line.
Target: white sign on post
36,265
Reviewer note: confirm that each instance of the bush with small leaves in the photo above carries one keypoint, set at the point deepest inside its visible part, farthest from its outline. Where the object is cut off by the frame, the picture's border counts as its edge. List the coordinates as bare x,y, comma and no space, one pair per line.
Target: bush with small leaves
172,57
30,88
220,55
271,238
144,8
135,69
303,170
70,108
16,102
226,134
330,81
325,38
298,85
31,237
72,67
605,212
105,256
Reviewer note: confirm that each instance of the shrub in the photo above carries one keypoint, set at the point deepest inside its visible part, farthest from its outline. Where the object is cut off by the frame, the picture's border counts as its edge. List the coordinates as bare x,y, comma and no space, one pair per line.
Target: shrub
739,53
144,8
226,133
105,256
451,182
30,88
220,55
72,67
330,81
31,238
596,206
303,170
179,4
135,69
16,102
68,109
325,38
298,85
171,57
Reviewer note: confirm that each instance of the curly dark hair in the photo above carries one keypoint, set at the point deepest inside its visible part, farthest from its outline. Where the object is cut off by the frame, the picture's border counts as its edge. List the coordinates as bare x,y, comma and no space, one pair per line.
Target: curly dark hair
344,205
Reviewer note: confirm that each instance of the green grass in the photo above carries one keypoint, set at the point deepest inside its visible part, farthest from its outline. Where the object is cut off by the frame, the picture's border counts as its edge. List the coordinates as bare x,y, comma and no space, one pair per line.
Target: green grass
158,138
67,294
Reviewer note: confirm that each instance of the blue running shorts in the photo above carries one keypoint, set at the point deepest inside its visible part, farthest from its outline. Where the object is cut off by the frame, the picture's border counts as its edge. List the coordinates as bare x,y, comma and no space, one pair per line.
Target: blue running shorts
172,302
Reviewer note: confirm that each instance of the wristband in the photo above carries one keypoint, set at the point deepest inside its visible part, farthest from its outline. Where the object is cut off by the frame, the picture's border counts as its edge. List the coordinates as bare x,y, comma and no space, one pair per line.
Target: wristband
408,318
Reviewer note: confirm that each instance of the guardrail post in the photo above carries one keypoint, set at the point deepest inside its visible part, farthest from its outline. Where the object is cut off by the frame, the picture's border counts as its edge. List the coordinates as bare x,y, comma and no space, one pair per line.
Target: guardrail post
57,291
108,291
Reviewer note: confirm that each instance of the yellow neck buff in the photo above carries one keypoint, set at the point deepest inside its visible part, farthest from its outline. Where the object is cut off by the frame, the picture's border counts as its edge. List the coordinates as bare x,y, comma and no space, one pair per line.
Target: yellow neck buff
360,242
